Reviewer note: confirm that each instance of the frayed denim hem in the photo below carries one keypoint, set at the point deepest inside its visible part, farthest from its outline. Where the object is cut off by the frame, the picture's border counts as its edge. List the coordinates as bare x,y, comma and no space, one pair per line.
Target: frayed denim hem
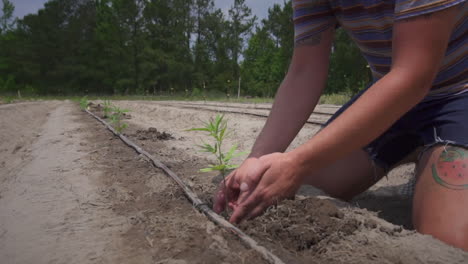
378,163
438,142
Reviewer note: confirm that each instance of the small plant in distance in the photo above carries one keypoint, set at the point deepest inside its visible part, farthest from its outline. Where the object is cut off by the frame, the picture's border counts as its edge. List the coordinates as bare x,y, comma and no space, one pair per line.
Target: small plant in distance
116,118
107,108
217,128
84,103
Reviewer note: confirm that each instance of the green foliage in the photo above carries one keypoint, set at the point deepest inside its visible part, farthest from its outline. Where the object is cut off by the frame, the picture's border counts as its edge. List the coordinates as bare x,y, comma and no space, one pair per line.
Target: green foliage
269,51
120,111
217,128
84,103
8,99
8,86
349,72
107,108
261,67
335,99
197,92
239,27
117,117
158,48
7,20
28,90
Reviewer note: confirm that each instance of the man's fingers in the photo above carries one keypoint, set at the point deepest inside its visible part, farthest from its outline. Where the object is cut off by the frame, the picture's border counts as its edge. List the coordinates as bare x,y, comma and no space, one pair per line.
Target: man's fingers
246,188
230,181
239,213
224,191
219,201
249,183
231,188
257,211
243,209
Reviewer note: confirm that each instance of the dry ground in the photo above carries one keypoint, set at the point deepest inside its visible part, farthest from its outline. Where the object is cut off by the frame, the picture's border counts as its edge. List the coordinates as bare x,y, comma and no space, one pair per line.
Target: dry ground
70,192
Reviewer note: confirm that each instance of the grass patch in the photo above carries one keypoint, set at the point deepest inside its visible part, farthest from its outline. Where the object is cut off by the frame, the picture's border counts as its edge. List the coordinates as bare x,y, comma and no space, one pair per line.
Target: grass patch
334,99
257,100
8,99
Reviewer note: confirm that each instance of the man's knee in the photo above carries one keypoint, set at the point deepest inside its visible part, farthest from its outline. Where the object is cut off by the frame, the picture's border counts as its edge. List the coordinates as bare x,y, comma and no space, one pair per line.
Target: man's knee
457,237
442,194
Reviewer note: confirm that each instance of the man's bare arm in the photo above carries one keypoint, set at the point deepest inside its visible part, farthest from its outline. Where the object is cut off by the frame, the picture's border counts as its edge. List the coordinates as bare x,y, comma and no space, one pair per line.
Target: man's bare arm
309,41
297,95
415,65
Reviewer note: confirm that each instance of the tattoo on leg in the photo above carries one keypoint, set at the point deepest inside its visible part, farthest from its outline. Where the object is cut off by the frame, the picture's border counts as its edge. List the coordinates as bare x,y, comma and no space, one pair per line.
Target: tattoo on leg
451,169
309,41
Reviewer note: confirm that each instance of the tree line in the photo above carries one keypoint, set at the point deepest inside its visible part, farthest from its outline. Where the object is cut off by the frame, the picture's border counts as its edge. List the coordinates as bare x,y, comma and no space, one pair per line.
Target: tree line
105,47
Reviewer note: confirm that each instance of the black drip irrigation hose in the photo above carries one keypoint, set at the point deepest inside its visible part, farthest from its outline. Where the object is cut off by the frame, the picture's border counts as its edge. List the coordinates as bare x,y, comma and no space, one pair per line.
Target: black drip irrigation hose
196,202
233,112
247,108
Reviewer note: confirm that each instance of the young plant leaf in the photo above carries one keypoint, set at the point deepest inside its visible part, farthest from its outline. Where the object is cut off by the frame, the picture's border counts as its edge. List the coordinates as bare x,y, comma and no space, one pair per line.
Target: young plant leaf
229,155
207,148
199,129
217,128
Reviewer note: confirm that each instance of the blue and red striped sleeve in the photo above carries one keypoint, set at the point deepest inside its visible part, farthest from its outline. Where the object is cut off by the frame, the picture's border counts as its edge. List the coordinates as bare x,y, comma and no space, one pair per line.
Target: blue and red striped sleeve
311,17
411,8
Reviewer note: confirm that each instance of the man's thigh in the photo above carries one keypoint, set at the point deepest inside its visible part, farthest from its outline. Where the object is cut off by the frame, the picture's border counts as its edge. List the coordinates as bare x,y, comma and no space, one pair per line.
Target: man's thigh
348,176
441,195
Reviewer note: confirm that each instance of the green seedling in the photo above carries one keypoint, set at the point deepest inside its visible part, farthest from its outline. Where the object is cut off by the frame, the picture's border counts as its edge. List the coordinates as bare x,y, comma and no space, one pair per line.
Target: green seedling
107,108
84,103
217,128
116,119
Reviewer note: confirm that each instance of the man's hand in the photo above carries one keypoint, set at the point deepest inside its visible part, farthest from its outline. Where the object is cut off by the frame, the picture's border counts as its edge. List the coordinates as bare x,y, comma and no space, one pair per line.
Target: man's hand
239,182
258,184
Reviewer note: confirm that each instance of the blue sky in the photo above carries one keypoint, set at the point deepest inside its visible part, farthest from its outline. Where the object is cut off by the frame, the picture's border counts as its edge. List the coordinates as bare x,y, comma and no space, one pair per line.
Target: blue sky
259,7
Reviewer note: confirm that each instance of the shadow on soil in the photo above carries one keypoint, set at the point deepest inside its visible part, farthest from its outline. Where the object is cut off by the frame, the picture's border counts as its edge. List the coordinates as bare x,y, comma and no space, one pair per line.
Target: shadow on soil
394,209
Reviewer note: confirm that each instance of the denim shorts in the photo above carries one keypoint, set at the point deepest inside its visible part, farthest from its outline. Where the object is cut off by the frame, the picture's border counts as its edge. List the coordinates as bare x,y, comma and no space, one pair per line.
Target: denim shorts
434,121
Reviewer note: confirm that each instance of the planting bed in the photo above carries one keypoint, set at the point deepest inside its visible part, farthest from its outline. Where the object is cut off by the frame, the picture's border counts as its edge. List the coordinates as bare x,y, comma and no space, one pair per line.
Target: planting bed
71,192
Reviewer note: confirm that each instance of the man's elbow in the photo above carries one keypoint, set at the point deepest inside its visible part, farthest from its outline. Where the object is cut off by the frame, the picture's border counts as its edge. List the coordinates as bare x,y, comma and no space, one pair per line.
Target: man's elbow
418,82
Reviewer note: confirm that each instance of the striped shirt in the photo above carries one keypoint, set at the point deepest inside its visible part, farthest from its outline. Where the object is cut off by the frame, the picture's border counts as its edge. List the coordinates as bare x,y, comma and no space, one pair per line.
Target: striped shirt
370,24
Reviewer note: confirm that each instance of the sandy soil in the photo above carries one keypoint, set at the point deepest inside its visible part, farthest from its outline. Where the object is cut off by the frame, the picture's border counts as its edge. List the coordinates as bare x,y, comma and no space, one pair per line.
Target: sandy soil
71,192
44,213
383,234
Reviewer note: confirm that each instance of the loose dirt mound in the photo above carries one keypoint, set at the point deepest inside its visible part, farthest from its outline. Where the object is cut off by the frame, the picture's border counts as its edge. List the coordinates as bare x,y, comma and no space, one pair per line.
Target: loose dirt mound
301,224
152,134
